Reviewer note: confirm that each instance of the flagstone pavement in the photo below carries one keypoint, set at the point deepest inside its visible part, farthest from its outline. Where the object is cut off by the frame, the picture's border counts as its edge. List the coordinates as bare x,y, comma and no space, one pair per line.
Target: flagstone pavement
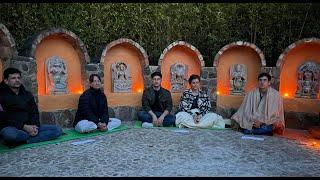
163,152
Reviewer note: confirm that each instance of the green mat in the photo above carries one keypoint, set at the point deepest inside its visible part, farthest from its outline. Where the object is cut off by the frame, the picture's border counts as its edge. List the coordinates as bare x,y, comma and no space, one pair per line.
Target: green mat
70,135
138,124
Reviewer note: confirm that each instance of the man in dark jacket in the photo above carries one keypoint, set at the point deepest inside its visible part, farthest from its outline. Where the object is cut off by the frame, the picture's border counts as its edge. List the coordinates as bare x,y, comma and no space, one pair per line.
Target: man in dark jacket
21,122
92,110
156,105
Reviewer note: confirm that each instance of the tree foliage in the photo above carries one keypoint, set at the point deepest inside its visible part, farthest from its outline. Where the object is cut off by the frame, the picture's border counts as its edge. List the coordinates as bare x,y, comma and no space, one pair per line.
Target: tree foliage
207,26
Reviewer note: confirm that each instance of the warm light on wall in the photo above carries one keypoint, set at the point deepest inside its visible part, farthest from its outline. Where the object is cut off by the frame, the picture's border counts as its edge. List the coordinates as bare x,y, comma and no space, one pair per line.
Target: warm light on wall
139,90
80,92
286,95
223,90
217,92
314,143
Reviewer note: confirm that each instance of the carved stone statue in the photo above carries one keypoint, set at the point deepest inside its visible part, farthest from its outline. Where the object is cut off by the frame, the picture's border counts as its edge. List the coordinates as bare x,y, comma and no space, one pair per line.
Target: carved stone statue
238,79
179,73
308,80
56,76
121,79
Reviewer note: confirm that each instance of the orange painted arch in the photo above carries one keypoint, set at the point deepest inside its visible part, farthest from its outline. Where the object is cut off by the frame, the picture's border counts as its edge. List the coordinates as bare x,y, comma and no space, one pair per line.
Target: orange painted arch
237,55
294,58
56,46
179,54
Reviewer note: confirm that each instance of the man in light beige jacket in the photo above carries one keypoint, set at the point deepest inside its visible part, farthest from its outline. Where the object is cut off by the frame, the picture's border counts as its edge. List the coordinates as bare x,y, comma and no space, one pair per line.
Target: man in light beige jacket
261,111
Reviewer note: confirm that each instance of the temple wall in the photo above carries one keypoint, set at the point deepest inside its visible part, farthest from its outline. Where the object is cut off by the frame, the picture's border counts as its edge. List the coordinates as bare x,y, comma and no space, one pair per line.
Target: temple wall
60,109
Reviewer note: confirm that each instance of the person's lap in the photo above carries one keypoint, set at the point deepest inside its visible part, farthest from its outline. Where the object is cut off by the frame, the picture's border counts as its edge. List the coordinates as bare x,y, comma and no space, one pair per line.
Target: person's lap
209,120
14,136
146,117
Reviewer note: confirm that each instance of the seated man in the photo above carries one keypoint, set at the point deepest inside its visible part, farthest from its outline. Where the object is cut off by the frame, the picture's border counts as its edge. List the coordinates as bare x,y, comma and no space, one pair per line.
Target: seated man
194,108
21,122
261,111
156,105
92,110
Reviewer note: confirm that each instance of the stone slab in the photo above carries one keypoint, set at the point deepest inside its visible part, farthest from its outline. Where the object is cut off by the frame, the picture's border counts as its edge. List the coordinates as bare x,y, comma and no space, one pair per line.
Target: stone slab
302,105
229,101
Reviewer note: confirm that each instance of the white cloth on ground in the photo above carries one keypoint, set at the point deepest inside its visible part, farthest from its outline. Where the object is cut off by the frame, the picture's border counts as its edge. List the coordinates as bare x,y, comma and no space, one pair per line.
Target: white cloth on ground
84,126
209,120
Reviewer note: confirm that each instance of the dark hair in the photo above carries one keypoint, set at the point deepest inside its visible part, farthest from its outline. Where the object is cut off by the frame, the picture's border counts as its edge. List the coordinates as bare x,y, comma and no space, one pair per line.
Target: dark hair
92,76
264,74
157,73
192,77
10,71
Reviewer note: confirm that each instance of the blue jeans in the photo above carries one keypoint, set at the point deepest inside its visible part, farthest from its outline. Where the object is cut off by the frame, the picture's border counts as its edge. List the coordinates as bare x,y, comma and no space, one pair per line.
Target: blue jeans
12,135
146,117
263,130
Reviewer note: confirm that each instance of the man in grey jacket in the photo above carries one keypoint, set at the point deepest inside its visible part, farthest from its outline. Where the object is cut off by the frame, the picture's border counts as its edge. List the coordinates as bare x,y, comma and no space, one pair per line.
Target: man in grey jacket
156,105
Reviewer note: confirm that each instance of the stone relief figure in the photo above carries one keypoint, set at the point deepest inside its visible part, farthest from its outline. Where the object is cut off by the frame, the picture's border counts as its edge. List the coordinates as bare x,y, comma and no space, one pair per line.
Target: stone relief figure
179,73
308,80
56,76
238,79
121,78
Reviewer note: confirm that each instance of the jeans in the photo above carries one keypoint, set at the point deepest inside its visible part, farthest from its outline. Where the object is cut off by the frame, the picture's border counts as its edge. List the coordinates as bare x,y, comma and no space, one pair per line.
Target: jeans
85,126
46,132
146,117
263,130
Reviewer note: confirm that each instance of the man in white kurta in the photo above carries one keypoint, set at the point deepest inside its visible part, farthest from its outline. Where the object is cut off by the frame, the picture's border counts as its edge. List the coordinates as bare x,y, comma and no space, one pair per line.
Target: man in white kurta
261,111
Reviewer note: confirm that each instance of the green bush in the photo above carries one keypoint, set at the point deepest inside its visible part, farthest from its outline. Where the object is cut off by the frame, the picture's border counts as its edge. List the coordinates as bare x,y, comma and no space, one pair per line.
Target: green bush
209,27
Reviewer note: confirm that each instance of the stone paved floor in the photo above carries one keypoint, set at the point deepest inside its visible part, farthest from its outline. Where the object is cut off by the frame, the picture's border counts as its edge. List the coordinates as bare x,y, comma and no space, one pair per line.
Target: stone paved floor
162,152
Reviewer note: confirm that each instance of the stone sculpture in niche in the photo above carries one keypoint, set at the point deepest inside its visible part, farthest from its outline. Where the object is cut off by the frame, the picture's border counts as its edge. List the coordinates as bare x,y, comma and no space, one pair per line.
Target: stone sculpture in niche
308,80
238,79
179,73
121,79
56,76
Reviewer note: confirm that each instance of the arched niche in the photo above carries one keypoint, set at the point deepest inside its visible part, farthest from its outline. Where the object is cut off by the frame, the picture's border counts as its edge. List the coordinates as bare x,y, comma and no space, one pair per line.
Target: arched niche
66,45
179,52
131,53
288,62
237,53
7,48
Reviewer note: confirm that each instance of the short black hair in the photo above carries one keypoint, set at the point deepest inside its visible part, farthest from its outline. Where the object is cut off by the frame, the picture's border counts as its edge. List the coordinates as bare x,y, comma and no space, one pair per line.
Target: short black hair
92,76
9,71
265,74
192,77
157,73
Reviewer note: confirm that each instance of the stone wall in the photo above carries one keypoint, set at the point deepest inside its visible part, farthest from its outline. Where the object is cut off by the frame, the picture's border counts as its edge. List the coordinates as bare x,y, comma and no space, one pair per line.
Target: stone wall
275,76
65,118
93,68
209,84
28,68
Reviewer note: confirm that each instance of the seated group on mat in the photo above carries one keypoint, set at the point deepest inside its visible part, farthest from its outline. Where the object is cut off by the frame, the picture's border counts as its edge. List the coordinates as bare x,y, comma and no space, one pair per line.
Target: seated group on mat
261,111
